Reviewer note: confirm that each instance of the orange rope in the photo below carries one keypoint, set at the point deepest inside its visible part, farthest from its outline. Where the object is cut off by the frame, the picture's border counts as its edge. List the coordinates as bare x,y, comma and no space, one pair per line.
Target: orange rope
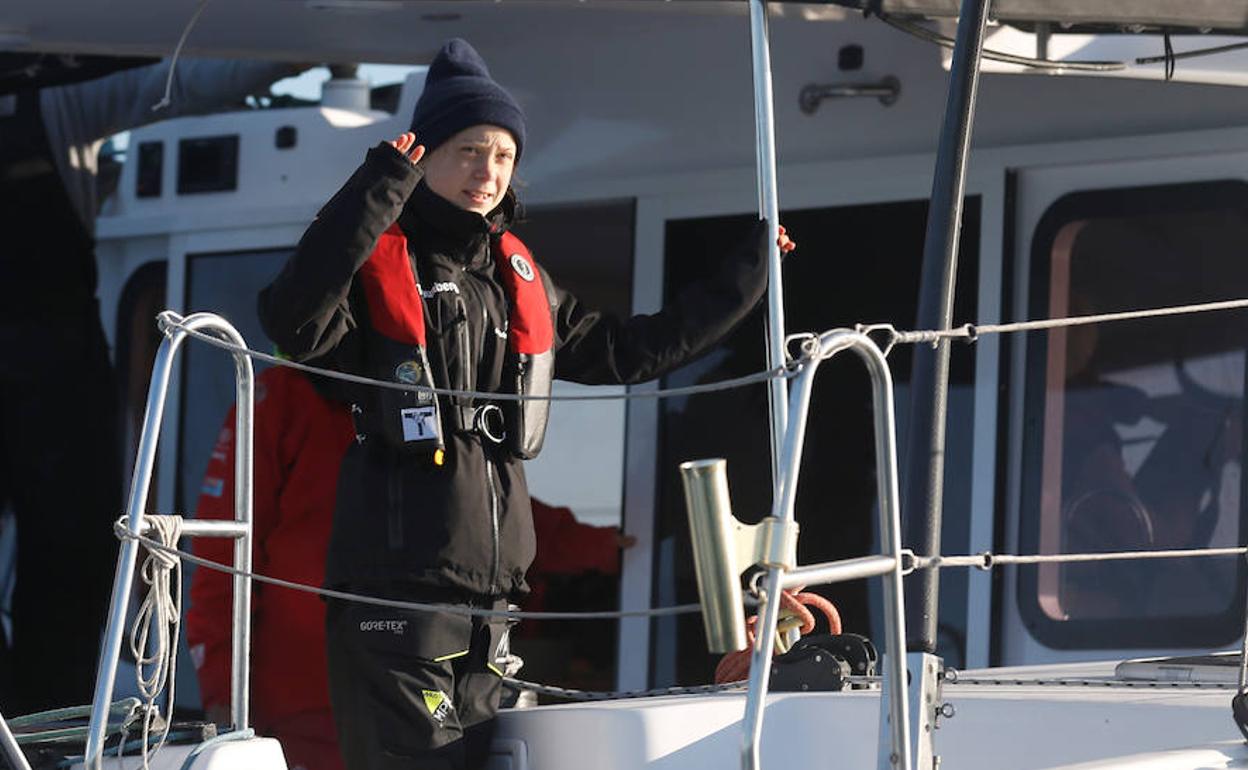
735,666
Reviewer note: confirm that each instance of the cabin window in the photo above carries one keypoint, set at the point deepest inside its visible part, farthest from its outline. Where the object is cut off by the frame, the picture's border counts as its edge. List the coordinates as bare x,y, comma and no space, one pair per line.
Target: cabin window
225,284
1134,429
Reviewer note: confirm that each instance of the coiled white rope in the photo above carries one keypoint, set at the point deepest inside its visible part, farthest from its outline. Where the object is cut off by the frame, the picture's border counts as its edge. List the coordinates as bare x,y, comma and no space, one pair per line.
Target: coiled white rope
161,614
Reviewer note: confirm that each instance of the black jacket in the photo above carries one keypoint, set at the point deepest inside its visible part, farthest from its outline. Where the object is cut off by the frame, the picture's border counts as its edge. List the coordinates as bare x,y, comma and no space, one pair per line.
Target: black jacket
467,524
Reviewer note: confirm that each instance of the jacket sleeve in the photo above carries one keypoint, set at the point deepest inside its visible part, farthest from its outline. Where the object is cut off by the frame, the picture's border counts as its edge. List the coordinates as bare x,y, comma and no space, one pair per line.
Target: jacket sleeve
598,349
208,622
79,116
124,100
305,309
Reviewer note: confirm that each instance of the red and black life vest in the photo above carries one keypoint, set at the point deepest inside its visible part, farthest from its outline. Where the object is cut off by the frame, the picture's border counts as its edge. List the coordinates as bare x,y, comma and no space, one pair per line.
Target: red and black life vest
396,311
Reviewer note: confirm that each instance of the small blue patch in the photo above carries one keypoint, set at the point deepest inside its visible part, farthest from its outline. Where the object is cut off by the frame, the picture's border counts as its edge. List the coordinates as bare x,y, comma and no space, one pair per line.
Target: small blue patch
213,487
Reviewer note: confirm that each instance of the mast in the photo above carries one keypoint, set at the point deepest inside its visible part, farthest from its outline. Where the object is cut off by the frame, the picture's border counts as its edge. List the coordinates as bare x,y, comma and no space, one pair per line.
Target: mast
929,386
769,210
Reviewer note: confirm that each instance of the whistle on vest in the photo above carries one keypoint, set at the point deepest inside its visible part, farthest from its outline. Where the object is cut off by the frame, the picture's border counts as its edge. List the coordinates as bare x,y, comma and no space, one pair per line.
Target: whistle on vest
420,419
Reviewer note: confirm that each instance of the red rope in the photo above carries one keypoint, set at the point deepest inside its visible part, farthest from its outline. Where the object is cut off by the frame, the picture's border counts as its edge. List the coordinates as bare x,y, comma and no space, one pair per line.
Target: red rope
735,666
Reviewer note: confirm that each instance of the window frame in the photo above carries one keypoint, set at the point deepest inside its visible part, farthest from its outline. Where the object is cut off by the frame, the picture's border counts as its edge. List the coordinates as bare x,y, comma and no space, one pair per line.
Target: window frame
1107,633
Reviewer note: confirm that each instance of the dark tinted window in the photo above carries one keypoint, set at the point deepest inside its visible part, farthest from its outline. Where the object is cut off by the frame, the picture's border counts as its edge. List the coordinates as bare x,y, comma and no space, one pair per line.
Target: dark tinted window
1134,429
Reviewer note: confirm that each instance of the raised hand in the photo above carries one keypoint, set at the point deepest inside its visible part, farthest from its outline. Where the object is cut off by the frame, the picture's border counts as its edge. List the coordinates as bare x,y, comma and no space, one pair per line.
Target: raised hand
406,144
785,243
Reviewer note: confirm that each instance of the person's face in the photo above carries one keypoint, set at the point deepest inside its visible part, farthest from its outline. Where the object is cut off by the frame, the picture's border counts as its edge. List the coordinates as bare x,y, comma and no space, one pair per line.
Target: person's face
473,168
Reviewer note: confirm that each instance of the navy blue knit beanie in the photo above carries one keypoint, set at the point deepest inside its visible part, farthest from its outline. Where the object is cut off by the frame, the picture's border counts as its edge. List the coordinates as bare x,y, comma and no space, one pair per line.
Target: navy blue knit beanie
459,93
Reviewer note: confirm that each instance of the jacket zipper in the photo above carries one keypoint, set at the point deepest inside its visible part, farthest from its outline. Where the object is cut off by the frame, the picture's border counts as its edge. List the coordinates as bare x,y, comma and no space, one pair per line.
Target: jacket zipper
489,479
395,490
465,345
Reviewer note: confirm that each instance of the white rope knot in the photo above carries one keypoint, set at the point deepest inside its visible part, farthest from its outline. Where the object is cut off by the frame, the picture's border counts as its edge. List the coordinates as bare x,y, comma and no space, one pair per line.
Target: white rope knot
168,531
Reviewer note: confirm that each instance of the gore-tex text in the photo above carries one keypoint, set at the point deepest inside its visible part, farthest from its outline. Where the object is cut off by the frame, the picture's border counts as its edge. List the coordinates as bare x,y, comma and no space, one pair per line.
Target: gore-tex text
393,626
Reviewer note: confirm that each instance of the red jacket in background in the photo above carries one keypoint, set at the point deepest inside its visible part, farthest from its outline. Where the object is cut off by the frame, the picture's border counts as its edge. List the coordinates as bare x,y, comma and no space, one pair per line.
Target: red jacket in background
565,546
300,440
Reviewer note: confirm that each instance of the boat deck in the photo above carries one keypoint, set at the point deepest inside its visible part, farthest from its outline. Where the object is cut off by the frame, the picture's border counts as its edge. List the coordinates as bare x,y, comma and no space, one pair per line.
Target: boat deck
1019,724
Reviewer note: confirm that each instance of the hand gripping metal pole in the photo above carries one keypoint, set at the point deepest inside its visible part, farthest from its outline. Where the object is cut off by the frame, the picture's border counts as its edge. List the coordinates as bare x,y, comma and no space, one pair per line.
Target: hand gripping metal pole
769,210
175,329
898,723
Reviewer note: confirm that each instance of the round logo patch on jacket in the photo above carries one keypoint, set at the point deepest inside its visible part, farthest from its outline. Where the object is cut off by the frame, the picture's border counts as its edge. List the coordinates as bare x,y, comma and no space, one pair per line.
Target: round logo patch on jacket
408,373
522,267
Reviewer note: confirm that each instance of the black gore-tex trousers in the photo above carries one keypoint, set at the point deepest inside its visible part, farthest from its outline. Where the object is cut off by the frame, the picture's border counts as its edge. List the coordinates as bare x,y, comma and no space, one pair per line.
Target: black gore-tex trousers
414,690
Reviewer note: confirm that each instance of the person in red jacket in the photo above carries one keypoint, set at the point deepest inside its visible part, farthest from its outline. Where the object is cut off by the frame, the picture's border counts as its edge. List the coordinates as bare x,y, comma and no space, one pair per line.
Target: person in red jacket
300,439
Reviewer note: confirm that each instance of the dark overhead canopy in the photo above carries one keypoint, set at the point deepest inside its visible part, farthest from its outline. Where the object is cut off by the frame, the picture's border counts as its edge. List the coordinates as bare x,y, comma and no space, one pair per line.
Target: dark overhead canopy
38,70
1220,15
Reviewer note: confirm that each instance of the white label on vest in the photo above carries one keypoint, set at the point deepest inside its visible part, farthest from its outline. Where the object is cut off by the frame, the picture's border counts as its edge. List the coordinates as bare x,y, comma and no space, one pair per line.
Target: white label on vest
522,267
419,423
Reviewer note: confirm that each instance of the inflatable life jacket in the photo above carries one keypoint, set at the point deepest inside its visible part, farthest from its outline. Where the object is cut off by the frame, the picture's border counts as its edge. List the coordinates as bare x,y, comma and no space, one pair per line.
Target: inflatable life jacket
414,421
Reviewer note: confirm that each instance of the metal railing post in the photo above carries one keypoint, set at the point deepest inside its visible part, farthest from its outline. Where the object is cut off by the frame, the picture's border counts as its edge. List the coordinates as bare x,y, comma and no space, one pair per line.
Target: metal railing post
12,751
176,329
897,727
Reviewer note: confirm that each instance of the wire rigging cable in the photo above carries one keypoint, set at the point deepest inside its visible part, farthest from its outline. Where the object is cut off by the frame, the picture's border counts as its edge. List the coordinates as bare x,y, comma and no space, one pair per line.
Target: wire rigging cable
923,33
154,545
987,560
971,332
173,321
1168,58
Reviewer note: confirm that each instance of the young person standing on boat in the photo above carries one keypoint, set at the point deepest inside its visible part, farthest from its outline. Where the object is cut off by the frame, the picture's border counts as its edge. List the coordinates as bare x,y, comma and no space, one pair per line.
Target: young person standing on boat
409,275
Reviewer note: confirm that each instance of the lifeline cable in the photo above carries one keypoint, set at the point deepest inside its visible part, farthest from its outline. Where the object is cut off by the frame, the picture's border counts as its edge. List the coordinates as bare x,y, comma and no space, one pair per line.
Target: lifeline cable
972,332
680,609
167,319
1127,684
968,332
988,560
595,695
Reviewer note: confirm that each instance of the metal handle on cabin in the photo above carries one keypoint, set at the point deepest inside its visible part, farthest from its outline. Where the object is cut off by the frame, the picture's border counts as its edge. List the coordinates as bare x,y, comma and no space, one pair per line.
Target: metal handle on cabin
887,90
110,653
